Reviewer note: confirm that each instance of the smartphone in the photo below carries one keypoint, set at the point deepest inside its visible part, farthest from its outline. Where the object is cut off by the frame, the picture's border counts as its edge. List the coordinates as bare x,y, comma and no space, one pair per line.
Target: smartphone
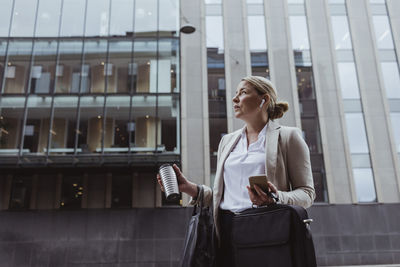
260,180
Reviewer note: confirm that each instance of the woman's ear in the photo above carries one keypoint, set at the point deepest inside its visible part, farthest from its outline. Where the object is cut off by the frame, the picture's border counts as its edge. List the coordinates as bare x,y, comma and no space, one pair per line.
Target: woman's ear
267,98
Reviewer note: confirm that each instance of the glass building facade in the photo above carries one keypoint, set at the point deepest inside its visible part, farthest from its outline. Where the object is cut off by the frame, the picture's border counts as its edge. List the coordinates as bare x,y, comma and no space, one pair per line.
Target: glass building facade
85,84
89,77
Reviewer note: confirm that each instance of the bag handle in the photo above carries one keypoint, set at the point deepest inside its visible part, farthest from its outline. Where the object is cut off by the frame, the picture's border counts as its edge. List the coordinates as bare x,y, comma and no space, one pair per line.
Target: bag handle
200,203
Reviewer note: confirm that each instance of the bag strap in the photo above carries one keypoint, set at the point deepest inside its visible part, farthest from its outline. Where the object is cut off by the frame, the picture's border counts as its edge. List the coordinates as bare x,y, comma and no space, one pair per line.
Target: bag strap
200,203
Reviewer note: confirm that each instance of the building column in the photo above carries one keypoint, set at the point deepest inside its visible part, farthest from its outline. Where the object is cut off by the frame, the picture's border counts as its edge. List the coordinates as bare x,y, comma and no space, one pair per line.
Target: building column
236,54
373,101
329,103
194,96
281,60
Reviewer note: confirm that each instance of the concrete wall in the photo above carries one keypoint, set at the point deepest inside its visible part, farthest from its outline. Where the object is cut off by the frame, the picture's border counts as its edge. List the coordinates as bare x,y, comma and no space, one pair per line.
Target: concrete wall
343,235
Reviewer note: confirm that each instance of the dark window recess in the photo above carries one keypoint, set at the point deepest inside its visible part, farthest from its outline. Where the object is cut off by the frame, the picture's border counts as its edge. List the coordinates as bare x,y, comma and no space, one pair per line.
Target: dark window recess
21,193
121,137
168,135
310,123
71,192
121,192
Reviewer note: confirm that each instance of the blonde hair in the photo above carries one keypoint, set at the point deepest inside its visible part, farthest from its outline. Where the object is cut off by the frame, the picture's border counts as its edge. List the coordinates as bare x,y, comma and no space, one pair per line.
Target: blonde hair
264,86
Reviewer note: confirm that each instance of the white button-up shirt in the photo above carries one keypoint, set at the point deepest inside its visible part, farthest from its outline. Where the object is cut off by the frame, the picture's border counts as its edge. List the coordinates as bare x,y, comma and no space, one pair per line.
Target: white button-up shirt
242,163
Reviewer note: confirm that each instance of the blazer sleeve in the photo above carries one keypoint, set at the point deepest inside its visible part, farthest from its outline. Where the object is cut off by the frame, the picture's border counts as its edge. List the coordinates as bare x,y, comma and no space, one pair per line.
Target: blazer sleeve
208,193
299,171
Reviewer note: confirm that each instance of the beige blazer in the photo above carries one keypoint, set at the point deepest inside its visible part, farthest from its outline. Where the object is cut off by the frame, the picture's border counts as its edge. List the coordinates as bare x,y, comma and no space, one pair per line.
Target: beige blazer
287,164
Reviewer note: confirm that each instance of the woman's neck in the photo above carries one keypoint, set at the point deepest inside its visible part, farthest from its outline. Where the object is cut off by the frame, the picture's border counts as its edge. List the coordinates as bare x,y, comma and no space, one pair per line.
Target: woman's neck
255,127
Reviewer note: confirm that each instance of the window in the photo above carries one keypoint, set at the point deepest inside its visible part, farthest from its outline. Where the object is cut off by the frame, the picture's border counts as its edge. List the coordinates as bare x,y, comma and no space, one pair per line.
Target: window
383,32
23,18
299,32
364,183
391,79
11,119
48,18
348,80
97,18
5,16
73,16
341,32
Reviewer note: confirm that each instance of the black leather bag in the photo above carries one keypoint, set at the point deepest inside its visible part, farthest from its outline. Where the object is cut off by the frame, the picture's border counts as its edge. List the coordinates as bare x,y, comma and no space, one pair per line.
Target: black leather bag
277,235
199,246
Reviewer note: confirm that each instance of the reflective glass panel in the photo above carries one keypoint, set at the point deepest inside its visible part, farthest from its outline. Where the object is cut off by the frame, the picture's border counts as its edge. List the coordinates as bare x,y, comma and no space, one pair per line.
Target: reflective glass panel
69,68
213,1
255,1
97,17
257,38
118,126
391,78
73,15
341,32
168,112
120,59
11,119
145,127
146,17
5,16
37,127
121,17
299,32
3,48
43,70
348,80
305,85
64,125
336,1
48,18
145,66
169,17
24,18
364,183
17,67
95,68
214,33
356,133
383,32
90,124
166,67
395,118
295,2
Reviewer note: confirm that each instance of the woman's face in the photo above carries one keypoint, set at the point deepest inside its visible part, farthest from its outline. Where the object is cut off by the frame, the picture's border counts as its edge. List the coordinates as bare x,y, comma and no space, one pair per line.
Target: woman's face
246,102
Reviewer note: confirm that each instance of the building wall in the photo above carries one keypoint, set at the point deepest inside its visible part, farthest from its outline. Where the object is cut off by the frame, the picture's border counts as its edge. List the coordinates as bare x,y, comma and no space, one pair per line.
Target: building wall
343,235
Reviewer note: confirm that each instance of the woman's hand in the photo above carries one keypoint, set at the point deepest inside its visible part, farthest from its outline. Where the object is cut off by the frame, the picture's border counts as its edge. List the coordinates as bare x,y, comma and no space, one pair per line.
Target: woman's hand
184,184
259,197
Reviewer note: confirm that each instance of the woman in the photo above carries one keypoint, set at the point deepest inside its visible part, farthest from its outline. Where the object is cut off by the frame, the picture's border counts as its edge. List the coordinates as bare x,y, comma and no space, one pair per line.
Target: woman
262,146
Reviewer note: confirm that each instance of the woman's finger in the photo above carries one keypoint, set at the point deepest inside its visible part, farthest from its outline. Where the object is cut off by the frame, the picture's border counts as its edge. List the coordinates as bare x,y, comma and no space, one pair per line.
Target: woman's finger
260,192
251,194
272,187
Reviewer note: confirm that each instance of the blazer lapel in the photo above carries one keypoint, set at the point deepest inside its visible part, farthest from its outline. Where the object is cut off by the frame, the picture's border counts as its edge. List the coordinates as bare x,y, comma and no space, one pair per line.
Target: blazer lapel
271,148
219,177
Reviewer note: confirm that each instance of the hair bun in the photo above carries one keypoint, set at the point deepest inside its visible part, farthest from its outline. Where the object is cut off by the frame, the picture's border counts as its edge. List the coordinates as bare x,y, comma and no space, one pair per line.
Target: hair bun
279,110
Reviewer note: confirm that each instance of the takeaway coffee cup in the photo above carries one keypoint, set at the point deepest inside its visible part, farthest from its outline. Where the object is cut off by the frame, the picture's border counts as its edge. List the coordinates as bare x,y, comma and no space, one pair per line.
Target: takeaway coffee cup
170,181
